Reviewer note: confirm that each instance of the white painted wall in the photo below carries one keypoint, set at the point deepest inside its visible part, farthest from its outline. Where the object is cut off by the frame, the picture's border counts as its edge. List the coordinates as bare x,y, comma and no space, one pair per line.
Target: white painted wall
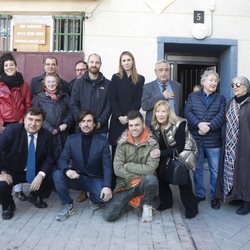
117,25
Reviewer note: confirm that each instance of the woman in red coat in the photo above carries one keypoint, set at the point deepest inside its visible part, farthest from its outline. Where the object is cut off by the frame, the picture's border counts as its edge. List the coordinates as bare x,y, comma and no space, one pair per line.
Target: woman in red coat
15,99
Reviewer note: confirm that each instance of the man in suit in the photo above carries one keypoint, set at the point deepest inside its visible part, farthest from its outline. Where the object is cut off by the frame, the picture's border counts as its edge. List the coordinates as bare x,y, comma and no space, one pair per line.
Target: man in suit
19,164
161,89
91,169
50,67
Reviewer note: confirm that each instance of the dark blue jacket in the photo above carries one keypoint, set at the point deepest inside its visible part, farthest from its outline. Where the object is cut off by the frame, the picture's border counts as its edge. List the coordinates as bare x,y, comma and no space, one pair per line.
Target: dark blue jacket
196,111
99,161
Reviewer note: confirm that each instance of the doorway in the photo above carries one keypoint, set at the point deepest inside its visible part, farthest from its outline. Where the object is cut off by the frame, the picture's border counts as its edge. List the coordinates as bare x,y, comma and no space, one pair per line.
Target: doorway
189,58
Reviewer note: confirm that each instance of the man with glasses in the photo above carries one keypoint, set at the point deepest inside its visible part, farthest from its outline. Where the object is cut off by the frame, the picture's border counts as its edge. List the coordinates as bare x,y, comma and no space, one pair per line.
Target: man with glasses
161,89
81,68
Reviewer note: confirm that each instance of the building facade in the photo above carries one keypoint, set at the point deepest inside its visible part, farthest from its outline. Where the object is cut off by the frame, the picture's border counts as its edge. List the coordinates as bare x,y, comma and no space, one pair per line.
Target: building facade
193,35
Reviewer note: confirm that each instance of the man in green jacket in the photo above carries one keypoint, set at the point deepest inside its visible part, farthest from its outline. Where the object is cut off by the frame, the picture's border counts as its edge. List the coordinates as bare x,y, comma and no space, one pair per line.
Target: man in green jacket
135,170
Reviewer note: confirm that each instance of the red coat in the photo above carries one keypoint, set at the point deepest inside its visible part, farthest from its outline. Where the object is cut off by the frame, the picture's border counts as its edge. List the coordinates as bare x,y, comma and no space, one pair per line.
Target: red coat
14,102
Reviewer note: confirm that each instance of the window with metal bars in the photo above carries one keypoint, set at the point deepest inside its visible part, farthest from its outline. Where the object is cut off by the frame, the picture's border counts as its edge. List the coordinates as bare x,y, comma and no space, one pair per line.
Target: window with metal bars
5,32
68,33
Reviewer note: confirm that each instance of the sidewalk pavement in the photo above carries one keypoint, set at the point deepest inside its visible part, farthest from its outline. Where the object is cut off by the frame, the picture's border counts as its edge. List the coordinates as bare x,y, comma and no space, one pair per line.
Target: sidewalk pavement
33,228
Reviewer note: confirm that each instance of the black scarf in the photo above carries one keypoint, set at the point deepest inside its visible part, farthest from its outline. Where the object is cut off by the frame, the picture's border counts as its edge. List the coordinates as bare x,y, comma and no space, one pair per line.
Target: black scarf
12,81
240,99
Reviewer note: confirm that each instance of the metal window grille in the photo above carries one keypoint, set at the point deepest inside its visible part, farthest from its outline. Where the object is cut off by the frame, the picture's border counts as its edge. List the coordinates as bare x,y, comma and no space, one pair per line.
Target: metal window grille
5,32
68,33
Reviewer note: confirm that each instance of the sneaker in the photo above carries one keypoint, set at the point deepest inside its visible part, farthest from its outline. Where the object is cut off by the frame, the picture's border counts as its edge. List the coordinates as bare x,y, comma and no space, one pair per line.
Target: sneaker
93,206
65,212
147,215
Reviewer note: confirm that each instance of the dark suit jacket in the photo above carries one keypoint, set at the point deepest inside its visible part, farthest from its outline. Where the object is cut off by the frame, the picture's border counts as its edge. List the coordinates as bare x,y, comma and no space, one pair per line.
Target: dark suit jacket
152,94
14,150
99,161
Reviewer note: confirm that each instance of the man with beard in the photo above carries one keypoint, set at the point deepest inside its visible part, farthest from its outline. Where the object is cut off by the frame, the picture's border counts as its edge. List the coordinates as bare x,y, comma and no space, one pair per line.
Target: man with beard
90,170
90,92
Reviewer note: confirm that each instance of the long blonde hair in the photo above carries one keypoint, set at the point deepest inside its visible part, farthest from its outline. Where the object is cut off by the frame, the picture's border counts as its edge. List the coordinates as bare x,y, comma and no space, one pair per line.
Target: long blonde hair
134,74
172,118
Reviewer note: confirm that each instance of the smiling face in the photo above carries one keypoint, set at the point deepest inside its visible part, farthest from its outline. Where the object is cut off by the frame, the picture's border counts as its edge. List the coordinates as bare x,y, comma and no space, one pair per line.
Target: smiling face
10,68
161,115
127,63
210,84
239,89
50,66
51,83
136,127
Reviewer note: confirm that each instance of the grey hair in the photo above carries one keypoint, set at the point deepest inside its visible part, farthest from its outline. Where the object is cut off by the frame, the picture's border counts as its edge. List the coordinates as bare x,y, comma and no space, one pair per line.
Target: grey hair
161,61
243,80
208,73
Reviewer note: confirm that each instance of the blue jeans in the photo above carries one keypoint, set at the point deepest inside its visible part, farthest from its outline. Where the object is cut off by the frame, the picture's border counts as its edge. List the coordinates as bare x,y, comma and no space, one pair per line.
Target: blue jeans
213,157
88,184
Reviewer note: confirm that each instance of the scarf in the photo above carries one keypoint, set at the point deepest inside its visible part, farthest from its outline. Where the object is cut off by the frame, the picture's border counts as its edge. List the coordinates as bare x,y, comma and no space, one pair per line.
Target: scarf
232,132
51,94
12,81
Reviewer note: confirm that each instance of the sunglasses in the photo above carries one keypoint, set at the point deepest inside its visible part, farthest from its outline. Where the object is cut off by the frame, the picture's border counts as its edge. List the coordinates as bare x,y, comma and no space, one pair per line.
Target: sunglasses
237,84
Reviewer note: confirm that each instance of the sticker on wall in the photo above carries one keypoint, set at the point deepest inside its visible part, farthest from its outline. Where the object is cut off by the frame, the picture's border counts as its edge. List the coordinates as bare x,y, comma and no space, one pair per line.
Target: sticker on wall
158,6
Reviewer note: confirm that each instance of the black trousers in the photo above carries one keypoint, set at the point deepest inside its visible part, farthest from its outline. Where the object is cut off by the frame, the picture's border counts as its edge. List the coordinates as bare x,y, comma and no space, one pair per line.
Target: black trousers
6,190
187,197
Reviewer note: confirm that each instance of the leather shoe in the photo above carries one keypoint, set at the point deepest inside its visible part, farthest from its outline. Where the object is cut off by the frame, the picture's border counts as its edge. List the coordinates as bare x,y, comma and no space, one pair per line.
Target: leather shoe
215,204
244,209
37,201
198,198
21,196
163,207
82,197
9,212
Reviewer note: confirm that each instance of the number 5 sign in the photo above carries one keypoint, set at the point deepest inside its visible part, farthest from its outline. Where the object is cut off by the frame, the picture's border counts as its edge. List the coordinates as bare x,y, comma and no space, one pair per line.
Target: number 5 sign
198,16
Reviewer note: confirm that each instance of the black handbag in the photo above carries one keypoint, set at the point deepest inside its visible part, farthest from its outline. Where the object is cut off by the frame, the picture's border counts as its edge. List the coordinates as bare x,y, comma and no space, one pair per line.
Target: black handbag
174,171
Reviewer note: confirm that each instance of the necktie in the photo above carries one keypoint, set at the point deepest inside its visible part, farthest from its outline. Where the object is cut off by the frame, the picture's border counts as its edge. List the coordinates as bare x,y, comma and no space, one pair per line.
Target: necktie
31,162
164,87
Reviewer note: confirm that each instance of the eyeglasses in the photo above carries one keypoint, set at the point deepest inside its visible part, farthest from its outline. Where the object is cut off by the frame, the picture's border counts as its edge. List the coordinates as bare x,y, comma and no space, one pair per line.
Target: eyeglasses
236,84
80,69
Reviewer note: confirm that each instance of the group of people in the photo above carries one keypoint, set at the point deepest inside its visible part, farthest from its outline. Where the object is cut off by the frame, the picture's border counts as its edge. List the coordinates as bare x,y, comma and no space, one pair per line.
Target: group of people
58,135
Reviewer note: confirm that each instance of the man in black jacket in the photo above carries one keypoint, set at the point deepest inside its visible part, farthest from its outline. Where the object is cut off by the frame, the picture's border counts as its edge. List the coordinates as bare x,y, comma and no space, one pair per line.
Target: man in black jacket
15,166
50,66
90,92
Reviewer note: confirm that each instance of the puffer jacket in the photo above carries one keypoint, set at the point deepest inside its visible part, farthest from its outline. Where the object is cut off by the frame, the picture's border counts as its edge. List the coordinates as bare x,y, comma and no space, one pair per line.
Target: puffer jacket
133,161
14,103
56,113
190,152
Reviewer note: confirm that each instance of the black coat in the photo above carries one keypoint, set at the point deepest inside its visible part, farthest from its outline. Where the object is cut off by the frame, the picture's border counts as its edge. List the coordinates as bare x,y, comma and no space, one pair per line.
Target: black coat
14,150
241,184
124,97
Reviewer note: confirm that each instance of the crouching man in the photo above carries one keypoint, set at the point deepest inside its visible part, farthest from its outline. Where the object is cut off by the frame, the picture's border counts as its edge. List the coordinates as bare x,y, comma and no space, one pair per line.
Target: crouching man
135,170
26,156
91,167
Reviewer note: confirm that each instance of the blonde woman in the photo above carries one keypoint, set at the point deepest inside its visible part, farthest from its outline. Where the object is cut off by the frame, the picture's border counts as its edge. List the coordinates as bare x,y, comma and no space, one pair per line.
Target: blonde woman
172,134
